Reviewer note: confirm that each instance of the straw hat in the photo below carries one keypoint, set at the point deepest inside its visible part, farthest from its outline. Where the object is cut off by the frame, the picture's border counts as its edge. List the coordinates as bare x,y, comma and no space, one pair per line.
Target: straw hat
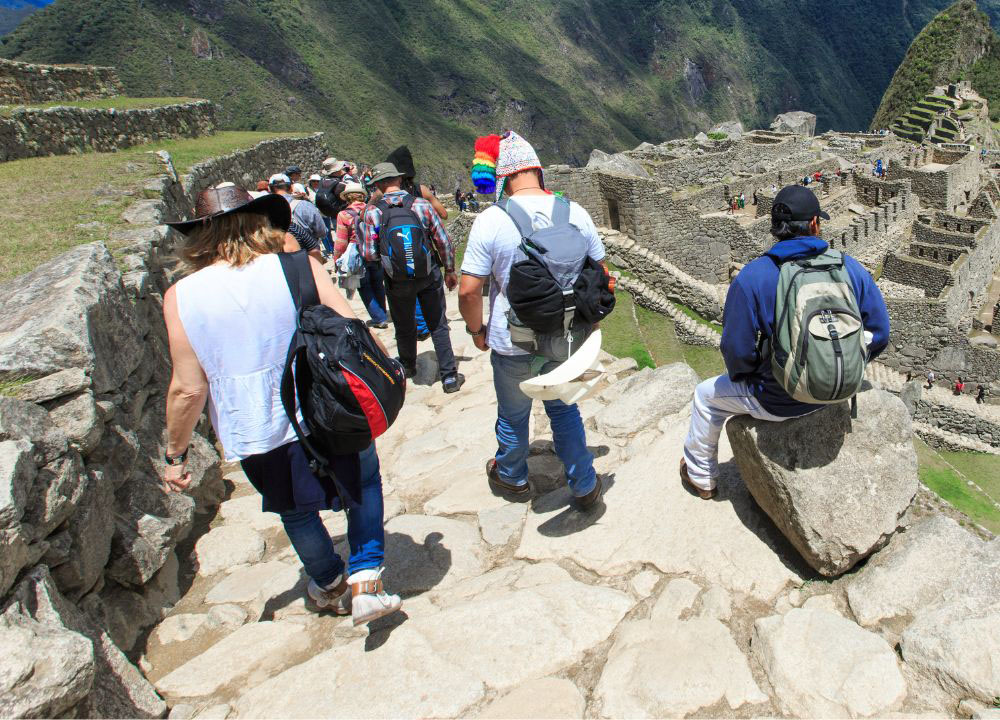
353,187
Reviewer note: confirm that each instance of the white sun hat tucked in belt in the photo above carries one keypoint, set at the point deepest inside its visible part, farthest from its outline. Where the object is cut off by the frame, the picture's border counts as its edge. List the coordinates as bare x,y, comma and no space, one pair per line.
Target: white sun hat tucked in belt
572,381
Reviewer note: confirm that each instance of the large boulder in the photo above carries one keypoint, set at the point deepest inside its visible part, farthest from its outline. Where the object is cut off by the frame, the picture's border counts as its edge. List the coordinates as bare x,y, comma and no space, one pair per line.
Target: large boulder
71,312
732,129
17,478
822,665
46,669
617,163
914,571
835,486
118,688
956,640
797,122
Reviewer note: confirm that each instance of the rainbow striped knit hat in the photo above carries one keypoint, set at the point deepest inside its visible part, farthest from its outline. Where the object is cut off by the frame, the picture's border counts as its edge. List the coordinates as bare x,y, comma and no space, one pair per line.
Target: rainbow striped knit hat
500,157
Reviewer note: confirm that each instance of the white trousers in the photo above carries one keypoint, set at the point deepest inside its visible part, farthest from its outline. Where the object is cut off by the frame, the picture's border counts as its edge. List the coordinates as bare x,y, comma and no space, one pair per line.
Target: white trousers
715,401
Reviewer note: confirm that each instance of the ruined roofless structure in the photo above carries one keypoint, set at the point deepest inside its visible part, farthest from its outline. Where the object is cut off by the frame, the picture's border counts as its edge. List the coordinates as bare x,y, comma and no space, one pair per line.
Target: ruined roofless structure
927,229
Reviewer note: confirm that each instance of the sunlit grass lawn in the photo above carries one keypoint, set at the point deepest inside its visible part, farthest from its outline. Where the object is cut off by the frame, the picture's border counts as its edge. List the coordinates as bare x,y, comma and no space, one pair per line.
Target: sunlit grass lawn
55,203
938,472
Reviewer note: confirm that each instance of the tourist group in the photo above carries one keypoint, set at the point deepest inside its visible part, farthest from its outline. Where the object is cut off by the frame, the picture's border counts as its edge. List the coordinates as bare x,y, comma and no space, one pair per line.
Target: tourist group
298,388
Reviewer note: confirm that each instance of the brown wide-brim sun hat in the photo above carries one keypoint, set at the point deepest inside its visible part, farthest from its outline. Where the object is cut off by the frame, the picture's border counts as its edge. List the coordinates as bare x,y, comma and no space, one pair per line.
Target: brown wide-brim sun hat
216,202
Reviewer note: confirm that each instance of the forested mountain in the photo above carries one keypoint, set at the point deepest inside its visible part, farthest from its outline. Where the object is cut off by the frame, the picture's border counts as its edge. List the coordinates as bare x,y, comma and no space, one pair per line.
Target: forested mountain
571,74
14,12
957,44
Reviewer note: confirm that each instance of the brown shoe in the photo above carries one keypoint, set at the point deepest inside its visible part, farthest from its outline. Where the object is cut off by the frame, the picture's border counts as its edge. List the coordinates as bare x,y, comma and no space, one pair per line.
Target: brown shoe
499,486
691,487
585,502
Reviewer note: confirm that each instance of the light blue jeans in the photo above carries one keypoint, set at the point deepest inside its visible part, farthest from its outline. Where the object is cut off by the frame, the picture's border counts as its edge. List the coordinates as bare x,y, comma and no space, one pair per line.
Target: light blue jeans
513,414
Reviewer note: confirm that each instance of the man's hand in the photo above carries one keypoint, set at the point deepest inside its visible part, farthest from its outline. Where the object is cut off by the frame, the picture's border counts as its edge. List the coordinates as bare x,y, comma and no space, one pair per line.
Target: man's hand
480,342
451,280
176,478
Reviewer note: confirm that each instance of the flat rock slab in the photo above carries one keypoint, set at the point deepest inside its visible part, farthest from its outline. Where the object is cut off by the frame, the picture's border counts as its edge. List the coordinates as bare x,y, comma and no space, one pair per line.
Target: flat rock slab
246,511
822,665
434,670
248,583
646,397
424,552
226,547
956,640
545,699
249,655
913,571
674,667
836,487
648,517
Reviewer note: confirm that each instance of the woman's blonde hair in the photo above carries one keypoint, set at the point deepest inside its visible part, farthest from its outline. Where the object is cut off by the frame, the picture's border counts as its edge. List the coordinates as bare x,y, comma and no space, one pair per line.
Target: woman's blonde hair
236,238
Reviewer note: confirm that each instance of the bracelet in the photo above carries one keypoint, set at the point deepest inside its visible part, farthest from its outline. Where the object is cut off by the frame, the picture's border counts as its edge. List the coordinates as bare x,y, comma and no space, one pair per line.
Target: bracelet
477,333
178,459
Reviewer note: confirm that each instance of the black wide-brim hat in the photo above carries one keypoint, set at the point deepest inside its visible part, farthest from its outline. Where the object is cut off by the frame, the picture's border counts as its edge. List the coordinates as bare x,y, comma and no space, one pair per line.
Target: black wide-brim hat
216,202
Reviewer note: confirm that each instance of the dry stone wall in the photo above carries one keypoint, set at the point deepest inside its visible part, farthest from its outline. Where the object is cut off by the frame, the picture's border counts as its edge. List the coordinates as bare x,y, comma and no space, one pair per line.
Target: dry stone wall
27,83
246,167
64,130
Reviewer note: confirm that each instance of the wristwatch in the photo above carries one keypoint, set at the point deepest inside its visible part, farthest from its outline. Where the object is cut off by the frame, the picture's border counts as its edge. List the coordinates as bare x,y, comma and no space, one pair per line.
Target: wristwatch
178,459
477,333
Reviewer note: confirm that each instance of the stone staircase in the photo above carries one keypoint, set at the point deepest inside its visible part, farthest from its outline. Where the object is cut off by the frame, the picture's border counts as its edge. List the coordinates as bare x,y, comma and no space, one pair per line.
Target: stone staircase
704,297
689,331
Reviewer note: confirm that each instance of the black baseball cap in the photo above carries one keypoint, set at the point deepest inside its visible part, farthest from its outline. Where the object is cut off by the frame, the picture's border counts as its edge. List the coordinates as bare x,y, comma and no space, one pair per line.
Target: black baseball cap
796,202
293,170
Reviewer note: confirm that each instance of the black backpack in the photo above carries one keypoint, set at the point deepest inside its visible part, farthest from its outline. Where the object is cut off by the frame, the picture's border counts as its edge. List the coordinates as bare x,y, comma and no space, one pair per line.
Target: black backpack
402,242
328,197
557,292
349,392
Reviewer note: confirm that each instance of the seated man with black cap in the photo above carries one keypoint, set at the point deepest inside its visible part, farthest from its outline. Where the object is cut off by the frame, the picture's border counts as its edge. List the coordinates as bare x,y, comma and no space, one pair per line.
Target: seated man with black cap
748,326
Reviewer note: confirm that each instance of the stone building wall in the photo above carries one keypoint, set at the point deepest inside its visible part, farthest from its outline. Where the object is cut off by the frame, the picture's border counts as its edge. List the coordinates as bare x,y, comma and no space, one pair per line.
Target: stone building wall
26,83
88,537
918,272
67,130
947,188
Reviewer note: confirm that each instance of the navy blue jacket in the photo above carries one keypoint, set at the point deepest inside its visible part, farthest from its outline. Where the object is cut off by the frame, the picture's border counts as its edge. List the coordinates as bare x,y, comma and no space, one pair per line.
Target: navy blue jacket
750,311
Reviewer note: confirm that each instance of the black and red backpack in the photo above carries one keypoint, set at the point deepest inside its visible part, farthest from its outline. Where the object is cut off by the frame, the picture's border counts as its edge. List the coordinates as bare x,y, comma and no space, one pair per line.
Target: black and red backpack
349,392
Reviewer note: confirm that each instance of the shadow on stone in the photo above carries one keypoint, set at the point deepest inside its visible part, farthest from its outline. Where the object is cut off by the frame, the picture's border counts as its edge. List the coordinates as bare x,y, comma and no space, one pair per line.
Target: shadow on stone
413,568
570,521
733,491
380,630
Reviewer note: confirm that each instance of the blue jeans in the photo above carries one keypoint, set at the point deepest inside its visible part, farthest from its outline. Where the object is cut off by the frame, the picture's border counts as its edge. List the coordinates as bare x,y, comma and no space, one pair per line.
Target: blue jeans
372,290
365,533
513,413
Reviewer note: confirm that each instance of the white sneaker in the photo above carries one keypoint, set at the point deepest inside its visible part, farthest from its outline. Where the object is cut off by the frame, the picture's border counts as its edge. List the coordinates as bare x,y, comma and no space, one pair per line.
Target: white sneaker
332,597
368,599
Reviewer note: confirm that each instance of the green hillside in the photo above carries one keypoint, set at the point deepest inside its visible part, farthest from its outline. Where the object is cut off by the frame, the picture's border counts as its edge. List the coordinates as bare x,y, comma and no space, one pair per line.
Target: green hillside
953,43
571,74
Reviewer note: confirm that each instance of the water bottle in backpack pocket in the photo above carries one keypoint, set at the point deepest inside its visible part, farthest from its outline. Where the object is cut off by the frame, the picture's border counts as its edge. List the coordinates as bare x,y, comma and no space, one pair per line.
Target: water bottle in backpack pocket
557,292
402,242
819,351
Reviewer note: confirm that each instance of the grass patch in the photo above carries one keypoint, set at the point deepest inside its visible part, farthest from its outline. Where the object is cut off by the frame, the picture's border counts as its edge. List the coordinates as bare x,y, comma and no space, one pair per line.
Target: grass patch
718,136
69,200
620,333
9,386
118,103
940,472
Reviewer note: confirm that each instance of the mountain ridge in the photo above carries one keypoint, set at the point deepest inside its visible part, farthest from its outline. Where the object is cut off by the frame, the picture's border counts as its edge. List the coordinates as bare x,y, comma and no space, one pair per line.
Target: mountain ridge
571,76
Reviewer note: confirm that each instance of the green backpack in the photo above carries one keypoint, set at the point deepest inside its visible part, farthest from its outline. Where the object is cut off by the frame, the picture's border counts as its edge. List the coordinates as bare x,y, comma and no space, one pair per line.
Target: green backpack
818,352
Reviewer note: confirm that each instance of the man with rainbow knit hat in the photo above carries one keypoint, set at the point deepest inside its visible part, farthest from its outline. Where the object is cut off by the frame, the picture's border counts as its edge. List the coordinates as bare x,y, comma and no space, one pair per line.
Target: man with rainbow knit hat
509,166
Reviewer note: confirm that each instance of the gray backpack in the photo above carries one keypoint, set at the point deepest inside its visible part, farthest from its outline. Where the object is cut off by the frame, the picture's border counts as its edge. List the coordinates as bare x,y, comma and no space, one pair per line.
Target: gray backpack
818,352
550,314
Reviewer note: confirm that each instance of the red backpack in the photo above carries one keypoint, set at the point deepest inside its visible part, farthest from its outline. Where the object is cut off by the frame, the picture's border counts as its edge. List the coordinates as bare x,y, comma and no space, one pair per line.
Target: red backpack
348,391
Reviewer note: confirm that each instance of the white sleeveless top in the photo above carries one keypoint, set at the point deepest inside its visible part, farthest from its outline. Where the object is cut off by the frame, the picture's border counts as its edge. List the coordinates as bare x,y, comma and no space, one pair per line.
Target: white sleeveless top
239,322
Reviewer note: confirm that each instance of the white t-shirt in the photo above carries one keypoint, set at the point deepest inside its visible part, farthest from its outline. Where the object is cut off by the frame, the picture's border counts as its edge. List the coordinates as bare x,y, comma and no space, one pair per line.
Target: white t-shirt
493,245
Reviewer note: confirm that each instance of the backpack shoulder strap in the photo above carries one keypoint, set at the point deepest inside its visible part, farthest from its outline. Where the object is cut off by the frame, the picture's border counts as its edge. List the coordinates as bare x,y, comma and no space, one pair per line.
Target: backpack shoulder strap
298,275
518,216
560,211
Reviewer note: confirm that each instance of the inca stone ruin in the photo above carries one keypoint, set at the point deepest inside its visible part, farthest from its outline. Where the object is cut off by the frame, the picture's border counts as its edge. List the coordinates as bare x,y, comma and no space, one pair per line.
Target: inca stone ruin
850,591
